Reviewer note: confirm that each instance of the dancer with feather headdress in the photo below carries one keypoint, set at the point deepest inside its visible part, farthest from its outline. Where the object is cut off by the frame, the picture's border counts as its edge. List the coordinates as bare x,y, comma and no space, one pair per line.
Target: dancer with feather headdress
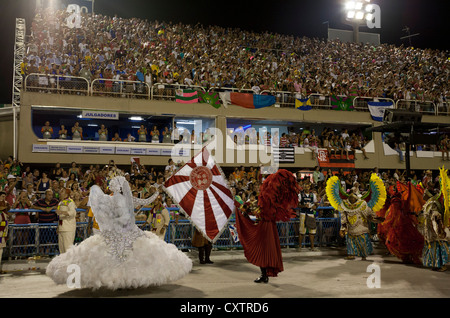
356,213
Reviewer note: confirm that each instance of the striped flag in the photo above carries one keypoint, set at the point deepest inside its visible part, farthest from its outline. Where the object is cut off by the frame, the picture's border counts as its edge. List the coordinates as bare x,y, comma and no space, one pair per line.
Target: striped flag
247,100
186,96
283,155
377,109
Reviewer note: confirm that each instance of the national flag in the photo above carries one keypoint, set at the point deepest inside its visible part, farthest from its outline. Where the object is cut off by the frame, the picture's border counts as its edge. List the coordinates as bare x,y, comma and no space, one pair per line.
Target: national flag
211,98
186,96
303,104
247,100
377,109
341,103
202,193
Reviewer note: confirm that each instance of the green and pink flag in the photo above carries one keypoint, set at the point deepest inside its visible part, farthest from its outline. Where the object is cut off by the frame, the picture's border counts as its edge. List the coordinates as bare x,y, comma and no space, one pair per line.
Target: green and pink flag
186,96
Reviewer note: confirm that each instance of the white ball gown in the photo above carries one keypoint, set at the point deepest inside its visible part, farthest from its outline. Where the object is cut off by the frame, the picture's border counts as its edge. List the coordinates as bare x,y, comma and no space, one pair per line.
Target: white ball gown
122,255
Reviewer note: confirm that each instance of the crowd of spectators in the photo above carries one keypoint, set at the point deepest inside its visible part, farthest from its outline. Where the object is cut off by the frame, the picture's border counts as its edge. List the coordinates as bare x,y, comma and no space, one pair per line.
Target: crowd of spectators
26,187
24,184
213,56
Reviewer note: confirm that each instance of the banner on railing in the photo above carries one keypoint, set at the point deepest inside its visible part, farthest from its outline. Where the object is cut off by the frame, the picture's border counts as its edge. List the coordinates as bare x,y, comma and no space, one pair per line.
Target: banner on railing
377,109
335,161
186,96
342,103
283,155
247,100
211,98
303,104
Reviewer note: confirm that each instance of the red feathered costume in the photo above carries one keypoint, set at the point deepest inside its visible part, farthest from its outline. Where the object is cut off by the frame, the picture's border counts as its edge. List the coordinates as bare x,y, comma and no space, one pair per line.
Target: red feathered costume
402,238
383,213
261,243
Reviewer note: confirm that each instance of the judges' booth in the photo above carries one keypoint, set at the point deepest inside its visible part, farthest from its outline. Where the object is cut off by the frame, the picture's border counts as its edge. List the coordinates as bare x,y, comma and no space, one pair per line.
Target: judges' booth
96,136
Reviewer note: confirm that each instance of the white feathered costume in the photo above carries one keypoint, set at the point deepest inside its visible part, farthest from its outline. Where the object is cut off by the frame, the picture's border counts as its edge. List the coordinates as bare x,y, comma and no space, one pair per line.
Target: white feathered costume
122,255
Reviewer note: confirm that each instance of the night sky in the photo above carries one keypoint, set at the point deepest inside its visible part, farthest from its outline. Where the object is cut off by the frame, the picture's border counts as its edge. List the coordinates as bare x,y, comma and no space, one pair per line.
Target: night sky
291,17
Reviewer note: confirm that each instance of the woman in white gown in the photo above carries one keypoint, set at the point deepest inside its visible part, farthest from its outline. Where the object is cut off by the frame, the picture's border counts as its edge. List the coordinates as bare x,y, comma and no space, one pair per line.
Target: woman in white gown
122,255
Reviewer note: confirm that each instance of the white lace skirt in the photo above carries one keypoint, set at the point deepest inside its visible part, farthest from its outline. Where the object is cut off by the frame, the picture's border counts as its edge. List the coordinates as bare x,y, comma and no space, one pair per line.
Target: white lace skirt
150,261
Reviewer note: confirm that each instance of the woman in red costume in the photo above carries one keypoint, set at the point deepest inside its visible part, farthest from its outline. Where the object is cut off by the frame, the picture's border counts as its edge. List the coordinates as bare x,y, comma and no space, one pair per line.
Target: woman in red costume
403,238
260,240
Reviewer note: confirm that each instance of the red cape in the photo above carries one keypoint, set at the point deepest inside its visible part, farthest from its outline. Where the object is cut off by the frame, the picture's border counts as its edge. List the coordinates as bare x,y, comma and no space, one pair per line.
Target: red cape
261,243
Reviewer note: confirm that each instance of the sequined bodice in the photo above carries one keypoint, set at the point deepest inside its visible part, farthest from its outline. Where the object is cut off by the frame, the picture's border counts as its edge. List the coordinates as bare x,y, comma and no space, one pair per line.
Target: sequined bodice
121,242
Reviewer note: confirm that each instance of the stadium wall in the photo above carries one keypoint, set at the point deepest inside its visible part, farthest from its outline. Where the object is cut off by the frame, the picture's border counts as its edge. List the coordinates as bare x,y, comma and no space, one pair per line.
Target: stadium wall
6,133
378,156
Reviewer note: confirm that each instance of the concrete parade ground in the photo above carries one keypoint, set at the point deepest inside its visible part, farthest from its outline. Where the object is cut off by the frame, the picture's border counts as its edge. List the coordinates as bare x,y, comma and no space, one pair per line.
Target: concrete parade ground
320,274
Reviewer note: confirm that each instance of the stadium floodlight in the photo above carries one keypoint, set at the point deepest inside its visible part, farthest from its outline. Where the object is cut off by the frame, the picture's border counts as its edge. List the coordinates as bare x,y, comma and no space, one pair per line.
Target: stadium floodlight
350,5
359,15
358,12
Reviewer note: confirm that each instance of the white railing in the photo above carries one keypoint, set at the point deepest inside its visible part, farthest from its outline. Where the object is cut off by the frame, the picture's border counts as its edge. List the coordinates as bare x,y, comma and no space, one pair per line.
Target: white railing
60,84
166,91
443,109
120,88
362,102
424,107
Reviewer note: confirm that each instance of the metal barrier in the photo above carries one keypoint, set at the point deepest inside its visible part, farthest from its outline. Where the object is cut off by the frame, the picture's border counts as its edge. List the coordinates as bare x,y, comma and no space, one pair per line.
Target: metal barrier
48,83
26,240
56,84
443,108
320,100
360,103
120,88
424,107
165,91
